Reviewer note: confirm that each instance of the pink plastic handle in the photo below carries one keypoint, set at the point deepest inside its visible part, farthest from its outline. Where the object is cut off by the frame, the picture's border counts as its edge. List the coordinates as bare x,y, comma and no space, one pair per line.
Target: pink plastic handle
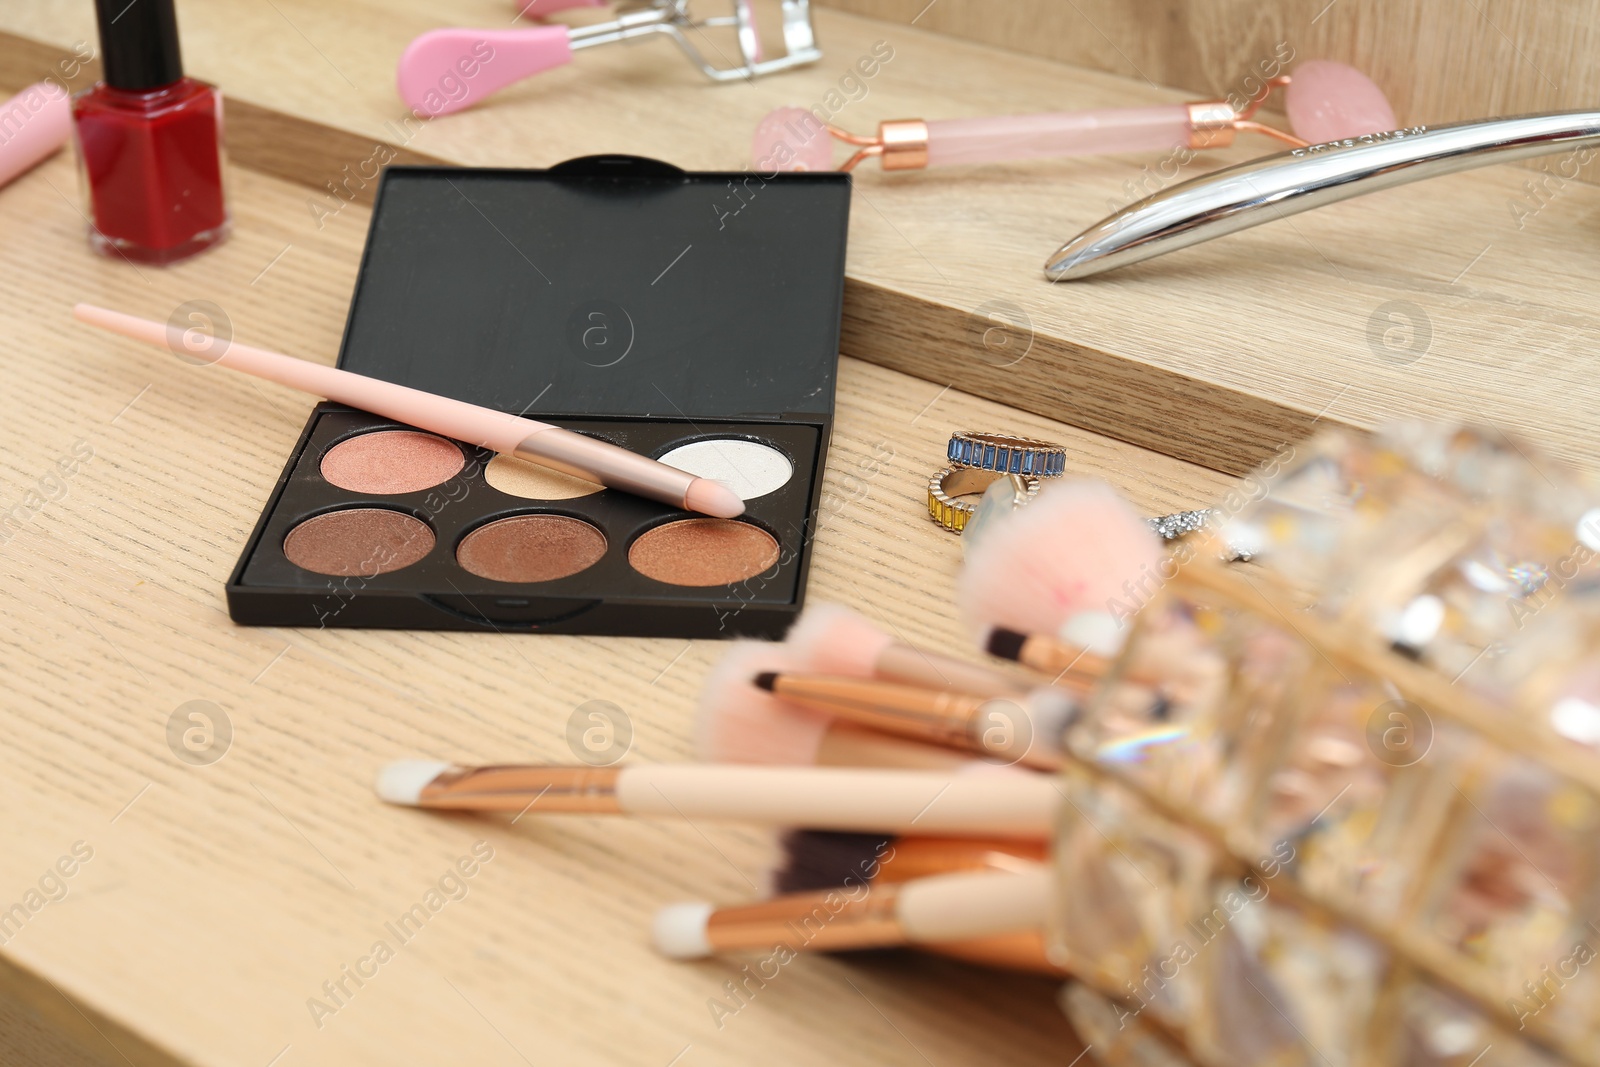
33,124
538,9
1102,131
444,71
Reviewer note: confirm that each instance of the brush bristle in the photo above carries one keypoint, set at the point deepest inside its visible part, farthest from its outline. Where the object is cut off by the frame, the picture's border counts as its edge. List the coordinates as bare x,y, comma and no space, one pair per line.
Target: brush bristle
1004,643
832,639
826,859
1070,551
402,781
741,723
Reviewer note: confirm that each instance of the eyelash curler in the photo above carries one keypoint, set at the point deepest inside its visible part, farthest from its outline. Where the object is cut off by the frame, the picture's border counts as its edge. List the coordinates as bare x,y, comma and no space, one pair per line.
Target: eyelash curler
1325,100
1291,182
444,71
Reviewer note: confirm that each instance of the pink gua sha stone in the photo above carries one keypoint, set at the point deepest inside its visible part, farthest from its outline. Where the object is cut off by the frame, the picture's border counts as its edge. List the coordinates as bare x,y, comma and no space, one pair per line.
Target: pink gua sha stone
444,71
791,138
1328,101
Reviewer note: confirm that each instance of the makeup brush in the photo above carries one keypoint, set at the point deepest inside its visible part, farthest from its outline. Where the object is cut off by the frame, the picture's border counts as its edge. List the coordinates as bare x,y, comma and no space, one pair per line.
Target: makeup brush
944,907
827,859
539,442
832,639
739,723
1073,565
1025,729
888,801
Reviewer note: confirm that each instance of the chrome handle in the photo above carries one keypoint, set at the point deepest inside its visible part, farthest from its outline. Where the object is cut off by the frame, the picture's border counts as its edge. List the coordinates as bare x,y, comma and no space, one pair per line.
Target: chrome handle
1304,178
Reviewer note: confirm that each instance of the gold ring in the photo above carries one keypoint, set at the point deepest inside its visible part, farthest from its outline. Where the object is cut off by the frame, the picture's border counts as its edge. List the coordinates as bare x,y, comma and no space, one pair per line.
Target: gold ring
952,482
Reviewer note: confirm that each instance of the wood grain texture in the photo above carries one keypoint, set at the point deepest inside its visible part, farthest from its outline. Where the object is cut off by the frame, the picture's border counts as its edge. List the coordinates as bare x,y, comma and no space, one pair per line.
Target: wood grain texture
1450,299
1438,60
219,898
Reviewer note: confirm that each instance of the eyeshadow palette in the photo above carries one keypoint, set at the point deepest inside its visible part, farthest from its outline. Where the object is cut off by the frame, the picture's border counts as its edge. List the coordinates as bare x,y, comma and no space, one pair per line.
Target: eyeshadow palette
610,296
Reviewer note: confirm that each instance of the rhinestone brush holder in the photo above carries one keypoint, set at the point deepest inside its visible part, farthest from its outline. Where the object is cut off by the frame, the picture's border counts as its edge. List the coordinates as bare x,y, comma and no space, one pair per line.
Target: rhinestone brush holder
1343,807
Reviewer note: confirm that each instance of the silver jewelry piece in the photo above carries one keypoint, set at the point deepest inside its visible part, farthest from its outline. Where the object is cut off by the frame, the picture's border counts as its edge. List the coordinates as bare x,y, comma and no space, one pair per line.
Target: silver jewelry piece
1171,527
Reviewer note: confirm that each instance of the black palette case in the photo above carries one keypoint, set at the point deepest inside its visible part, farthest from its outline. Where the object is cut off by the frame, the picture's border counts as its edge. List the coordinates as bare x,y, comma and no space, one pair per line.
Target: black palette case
612,296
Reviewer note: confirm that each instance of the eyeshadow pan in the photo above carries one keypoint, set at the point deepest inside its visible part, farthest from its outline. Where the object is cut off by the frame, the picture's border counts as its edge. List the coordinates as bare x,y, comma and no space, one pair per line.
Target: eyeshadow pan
702,552
358,541
531,548
749,468
387,462
532,481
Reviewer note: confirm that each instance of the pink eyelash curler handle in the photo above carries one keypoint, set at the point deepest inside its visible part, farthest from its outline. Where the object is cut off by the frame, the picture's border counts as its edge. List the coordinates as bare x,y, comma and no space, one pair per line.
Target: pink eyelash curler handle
1100,131
444,71
538,9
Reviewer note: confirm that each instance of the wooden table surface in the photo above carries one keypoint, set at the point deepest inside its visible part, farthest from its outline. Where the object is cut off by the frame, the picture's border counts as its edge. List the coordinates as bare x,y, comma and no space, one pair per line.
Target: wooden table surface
217,900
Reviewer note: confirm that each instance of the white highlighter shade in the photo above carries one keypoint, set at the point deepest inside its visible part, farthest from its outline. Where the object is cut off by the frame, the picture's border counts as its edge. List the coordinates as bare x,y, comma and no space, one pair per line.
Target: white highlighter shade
750,468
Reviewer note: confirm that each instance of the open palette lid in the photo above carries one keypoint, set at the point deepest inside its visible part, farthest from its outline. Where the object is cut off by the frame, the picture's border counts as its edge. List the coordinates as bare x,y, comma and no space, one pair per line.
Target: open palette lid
608,285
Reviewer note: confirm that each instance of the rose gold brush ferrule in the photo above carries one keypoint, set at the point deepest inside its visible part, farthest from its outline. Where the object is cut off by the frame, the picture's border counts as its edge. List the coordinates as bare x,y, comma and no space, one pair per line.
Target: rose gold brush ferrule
955,720
559,789
584,457
1074,667
930,715
911,858
825,921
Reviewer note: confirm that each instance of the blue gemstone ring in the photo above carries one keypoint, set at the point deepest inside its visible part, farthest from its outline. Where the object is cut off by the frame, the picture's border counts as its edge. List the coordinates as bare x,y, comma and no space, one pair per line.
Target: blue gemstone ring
1005,454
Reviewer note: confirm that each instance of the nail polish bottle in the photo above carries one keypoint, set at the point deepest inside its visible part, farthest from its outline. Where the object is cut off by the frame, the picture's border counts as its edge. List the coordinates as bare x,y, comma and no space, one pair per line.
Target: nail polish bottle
149,142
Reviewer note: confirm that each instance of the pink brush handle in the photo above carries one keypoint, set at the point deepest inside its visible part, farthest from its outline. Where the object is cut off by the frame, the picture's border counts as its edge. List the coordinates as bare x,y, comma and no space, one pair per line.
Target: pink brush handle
1101,131
496,430
444,71
33,124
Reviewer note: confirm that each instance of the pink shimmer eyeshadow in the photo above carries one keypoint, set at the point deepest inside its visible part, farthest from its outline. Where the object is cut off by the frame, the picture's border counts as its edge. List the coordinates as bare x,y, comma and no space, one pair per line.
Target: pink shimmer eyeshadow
391,461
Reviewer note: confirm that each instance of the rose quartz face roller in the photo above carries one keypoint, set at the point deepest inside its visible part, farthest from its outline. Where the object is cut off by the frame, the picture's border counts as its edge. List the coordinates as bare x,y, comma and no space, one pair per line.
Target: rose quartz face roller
1325,101
446,70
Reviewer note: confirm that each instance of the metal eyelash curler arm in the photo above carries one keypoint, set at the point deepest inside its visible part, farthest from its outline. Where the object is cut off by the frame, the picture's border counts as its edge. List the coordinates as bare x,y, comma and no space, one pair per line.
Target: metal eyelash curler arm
672,18
1305,178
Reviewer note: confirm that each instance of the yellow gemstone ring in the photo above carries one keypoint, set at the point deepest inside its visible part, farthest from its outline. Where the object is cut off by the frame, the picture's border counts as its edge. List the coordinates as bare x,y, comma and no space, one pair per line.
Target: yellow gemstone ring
952,482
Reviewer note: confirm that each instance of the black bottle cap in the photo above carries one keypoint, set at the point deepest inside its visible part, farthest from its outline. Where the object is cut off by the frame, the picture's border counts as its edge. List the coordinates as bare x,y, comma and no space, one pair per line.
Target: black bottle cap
138,43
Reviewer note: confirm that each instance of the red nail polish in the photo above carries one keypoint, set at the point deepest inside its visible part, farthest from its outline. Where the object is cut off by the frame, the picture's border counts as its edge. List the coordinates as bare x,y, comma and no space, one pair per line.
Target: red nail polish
149,142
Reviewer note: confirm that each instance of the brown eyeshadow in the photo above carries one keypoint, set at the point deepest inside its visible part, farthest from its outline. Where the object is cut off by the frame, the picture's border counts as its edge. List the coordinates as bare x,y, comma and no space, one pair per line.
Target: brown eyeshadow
531,548
391,461
358,541
703,552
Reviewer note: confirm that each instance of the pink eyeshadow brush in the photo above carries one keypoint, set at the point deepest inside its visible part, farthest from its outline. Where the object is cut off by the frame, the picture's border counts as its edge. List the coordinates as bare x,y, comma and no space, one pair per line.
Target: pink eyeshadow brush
539,442
1071,567
832,639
